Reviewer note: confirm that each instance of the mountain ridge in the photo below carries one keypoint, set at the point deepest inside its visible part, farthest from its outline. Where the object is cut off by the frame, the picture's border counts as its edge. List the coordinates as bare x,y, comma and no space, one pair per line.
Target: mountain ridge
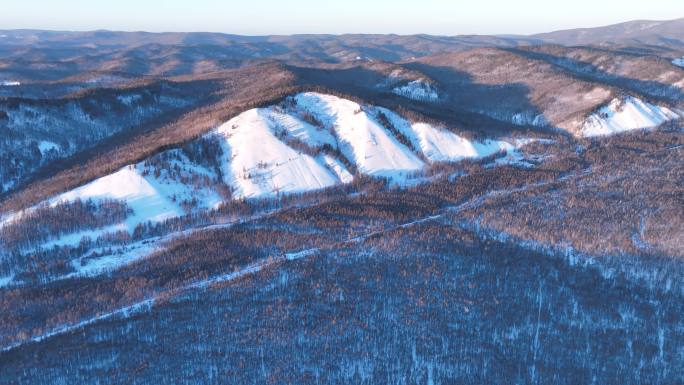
658,32
611,33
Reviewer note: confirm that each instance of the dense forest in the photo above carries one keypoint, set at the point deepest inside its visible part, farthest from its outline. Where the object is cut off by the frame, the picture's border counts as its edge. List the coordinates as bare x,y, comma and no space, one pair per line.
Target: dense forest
429,303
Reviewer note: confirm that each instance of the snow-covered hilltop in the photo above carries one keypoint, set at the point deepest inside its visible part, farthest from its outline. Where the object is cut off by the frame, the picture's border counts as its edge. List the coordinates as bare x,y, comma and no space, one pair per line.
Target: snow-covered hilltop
626,114
310,141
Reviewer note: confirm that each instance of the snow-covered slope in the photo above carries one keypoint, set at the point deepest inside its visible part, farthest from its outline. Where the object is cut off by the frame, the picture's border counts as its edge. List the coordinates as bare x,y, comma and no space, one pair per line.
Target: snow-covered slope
417,90
337,167
145,197
258,164
440,145
308,142
154,193
679,62
626,114
361,137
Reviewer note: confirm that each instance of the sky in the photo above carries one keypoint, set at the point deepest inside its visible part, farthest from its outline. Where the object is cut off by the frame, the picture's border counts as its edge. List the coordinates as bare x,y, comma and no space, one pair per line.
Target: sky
264,17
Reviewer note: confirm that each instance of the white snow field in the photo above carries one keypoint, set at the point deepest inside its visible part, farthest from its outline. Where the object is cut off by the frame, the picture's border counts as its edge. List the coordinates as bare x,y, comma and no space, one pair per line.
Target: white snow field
626,114
46,146
257,164
418,90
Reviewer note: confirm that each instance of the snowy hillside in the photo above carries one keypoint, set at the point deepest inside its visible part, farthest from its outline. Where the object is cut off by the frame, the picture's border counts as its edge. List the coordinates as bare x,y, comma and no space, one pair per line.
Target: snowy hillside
418,90
626,114
281,149
309,142
146,199
257,163
168,185
679,62
151,197
361,137
440,145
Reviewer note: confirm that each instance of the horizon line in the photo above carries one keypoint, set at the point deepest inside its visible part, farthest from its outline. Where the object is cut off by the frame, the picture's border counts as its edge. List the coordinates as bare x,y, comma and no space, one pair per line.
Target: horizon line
115,30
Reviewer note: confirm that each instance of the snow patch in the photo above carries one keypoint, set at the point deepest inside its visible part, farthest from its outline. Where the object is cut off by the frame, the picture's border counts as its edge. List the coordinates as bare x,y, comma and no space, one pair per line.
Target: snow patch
10,83
301,254
128,99
6,281
92,266
442,145
338,168
152,198
679,62
127,184
45,146
418,90
524,119
626,114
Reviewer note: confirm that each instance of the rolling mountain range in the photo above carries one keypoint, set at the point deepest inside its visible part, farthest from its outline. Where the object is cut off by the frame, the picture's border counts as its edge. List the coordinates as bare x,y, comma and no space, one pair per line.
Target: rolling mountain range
633,33
30,55
200,208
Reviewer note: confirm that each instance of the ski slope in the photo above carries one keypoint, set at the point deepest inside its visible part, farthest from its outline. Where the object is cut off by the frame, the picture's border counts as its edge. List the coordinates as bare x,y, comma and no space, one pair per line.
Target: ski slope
441,145
127,184
151,198
257,164
626,114
362,139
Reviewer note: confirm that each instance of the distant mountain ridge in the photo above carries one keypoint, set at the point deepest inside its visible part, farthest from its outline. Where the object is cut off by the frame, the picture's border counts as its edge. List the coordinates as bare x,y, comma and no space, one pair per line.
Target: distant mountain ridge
636,31
24,53
648,32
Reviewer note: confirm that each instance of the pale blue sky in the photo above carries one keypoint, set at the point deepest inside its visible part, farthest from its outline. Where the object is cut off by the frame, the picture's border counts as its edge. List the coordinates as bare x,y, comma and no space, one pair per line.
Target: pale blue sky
259,17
